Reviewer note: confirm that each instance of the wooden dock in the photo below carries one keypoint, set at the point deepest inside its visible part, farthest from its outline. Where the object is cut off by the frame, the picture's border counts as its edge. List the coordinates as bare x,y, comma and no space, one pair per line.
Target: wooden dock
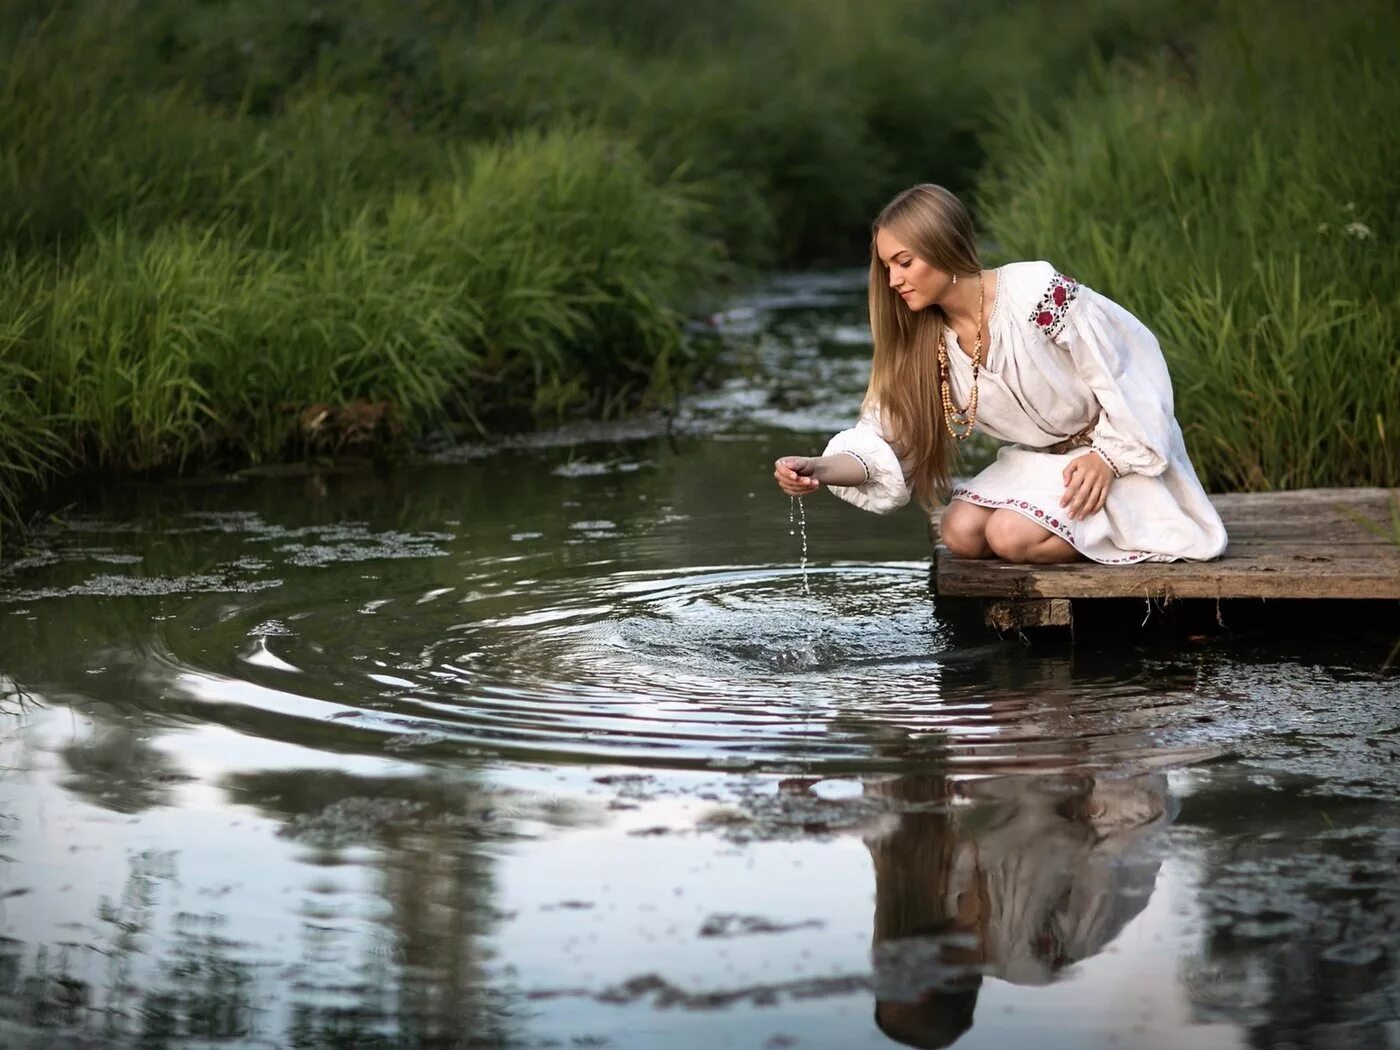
1307,543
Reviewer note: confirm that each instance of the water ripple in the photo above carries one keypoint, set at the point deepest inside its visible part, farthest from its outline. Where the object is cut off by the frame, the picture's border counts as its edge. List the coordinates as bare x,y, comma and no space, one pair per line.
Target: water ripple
723,666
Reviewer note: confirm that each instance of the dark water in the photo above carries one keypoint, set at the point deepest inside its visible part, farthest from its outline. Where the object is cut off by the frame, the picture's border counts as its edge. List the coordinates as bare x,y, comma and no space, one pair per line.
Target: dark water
549,745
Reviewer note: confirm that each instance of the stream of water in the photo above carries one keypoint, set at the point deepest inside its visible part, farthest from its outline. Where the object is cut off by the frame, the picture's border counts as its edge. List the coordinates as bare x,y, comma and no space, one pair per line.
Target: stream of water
588,739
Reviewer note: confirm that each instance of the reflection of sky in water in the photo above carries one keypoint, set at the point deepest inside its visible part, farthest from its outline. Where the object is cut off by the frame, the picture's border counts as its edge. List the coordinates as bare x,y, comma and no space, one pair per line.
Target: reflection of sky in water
1132,988
548,742
580,912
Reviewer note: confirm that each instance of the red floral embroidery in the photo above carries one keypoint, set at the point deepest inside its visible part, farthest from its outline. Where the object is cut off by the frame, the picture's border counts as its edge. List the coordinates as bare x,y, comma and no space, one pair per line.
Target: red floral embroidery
1063,528
1049,313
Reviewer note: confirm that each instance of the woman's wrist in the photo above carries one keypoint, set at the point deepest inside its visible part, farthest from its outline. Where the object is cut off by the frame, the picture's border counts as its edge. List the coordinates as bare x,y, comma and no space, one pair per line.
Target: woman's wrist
1107,459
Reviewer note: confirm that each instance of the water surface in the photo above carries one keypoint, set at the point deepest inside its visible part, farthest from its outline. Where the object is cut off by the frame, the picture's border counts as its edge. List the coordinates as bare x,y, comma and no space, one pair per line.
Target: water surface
553,743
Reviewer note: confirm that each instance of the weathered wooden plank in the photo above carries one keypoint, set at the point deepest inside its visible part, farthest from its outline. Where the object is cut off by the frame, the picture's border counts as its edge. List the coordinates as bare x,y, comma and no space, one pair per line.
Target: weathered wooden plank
1250,541
1275,577
1296,497
1008,615
1300,544
1306,505
1310,517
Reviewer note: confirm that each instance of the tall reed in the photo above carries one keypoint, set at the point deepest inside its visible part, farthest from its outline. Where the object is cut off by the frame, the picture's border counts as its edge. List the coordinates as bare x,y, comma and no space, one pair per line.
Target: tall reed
250,228
272,114
29,448
547,275
1243,202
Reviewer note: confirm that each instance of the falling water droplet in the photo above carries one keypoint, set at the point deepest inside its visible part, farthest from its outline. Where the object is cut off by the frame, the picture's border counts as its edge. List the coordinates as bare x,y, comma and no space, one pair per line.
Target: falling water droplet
798,513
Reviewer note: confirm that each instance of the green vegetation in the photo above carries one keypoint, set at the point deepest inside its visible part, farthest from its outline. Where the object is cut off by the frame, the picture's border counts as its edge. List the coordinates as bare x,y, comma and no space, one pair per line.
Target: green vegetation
28,447
254,228
1242,199
544,277
523,284
1385,529
250,229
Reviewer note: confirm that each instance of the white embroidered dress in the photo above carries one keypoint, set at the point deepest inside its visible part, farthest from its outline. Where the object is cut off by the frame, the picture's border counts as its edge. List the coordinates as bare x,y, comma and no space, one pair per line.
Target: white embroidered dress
1062,358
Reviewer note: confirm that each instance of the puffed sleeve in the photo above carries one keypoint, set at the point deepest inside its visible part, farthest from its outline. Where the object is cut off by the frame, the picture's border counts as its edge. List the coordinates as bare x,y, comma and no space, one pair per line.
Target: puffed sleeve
885,489
1121,361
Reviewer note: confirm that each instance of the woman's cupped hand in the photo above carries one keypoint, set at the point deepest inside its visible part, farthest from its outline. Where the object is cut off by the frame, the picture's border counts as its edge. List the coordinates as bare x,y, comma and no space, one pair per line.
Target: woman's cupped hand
796,475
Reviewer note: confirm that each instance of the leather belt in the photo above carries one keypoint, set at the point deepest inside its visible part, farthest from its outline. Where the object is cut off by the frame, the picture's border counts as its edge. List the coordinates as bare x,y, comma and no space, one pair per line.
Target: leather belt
1079,440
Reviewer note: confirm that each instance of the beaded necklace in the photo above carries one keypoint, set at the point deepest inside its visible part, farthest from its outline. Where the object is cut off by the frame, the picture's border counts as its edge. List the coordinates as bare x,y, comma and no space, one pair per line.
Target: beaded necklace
951,413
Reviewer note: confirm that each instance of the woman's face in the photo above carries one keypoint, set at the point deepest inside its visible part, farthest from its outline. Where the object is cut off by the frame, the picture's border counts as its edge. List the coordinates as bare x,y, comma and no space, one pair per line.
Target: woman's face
917,283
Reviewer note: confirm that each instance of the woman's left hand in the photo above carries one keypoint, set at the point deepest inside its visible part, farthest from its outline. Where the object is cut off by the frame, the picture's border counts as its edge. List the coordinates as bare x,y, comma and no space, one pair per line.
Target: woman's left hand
1087,479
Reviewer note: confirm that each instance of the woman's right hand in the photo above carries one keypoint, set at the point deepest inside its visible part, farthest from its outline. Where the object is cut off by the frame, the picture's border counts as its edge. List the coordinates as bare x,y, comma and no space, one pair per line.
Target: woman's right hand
796,475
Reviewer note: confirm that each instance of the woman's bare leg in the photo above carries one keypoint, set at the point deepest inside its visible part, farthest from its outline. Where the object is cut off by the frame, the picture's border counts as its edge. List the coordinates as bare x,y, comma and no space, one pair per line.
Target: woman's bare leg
1014,537
962,529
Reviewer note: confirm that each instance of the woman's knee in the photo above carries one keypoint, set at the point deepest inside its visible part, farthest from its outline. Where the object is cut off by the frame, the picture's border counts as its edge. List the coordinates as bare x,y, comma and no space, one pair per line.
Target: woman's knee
961,531
1011,537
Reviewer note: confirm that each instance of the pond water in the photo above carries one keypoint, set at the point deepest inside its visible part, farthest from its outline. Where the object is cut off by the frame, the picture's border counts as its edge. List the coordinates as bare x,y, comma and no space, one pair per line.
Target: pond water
558,743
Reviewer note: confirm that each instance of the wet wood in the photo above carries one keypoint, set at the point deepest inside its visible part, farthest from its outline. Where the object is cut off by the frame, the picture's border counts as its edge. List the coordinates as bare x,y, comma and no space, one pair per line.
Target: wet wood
1009,615
1308,543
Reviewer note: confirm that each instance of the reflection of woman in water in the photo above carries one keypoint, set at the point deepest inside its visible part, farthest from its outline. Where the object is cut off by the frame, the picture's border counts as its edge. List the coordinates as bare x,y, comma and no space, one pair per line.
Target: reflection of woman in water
1035,875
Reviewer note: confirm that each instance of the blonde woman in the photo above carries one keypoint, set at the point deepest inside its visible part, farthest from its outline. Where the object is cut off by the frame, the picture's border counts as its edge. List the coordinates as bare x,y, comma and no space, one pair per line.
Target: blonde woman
1093,463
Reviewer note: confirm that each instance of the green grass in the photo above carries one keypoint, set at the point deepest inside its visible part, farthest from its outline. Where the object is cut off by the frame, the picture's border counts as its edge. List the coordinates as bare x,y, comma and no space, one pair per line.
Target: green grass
1244,205
272,115
29,448
1386,528
544,278
251,229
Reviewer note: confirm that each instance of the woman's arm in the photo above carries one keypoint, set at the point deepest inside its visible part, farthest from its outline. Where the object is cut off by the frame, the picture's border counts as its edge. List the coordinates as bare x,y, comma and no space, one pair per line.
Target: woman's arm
1121,361
858,465
799,475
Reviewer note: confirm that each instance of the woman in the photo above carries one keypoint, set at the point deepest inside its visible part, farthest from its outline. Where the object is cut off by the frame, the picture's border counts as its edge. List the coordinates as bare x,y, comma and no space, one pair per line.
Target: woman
1094,464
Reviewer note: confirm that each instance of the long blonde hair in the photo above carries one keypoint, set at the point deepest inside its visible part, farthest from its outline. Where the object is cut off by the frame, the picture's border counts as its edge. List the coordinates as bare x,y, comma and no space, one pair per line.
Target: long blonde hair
904,370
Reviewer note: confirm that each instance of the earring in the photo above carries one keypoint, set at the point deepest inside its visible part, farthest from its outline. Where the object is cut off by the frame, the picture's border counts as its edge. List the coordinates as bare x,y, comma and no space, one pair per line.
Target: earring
955,278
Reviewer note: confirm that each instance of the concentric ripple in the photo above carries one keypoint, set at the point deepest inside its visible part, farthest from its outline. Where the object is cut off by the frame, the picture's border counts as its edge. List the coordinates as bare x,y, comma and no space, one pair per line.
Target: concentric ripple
720,666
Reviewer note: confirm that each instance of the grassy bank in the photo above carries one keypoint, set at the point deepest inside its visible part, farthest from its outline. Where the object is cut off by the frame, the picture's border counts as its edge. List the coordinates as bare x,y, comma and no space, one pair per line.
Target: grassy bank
251,229
1241,198
541,280
256,228
278,115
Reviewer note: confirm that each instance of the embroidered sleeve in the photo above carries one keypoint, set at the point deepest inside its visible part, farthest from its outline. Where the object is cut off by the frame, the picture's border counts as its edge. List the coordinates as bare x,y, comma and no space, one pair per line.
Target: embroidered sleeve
1103,454
884,489
1121,361
1049,313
